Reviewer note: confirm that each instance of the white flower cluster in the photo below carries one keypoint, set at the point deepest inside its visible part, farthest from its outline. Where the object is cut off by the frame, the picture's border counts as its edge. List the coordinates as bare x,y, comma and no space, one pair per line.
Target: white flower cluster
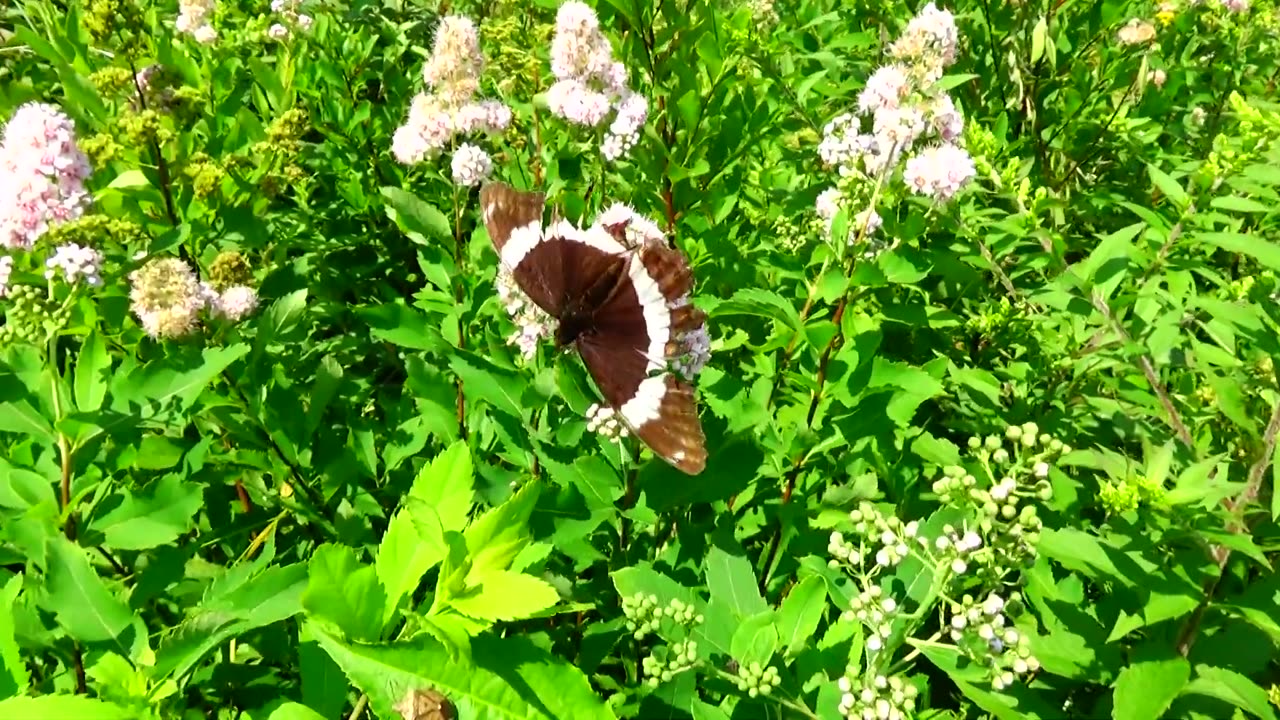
450,108
42,174
590,84
470,165
194,18
605,421
983,631
876,698
289,12
906,107
533,324
75,263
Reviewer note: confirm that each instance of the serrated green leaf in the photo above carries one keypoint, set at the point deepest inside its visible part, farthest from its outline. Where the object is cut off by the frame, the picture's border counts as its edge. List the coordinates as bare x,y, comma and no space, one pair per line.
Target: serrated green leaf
1232,687
498,535
1145,689
344,593
731,580
507,678
756,639
506,595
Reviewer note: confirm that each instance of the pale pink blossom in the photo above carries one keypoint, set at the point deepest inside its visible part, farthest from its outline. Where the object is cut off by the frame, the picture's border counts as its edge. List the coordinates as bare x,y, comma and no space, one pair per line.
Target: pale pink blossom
575,102
42,174
886,89
453,71
939,171
236,302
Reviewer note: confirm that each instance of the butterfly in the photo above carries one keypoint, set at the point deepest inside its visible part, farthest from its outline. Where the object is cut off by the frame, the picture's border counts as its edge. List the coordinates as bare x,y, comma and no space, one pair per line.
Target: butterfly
622,304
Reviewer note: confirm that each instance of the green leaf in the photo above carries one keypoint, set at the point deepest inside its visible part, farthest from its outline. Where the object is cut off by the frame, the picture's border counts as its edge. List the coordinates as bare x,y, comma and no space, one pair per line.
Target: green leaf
1240,204
731,580
344,593
14,678
444,489
1255,246
294,711
757,301
1145,689
1232,687
1169,187
497,536
506,595
157,516
19,417
417,218
756,639
506,678
483,380
1106,265
22,489
48,707
801,612
130,180
79,598
92,370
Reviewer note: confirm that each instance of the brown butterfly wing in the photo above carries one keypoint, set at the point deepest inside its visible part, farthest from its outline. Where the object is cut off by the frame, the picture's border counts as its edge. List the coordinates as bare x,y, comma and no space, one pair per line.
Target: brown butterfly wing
627,351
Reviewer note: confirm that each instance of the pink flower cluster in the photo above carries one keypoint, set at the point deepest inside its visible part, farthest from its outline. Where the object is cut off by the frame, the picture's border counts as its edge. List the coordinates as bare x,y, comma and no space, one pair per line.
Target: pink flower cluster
168,298
905,106
449,108
42,174
590,84
194,18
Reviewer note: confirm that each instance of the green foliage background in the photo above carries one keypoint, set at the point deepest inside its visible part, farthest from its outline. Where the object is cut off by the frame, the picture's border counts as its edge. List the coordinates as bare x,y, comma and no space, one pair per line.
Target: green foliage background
361,491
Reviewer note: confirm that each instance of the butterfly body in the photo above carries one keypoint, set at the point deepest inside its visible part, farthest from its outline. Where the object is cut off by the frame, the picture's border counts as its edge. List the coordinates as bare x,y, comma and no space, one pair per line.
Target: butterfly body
623,308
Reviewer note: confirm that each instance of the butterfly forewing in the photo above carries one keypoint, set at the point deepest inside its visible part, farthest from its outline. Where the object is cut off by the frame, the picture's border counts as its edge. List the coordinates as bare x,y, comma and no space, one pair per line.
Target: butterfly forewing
514,221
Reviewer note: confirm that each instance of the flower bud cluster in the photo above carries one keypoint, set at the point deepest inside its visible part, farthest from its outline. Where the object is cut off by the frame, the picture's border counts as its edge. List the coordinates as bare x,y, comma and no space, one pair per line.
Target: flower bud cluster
645,616
668,661
31,315
1255,132
873,528
876,697
590,84
875,610
756,680
1130,493
42,174
449,109
983,632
